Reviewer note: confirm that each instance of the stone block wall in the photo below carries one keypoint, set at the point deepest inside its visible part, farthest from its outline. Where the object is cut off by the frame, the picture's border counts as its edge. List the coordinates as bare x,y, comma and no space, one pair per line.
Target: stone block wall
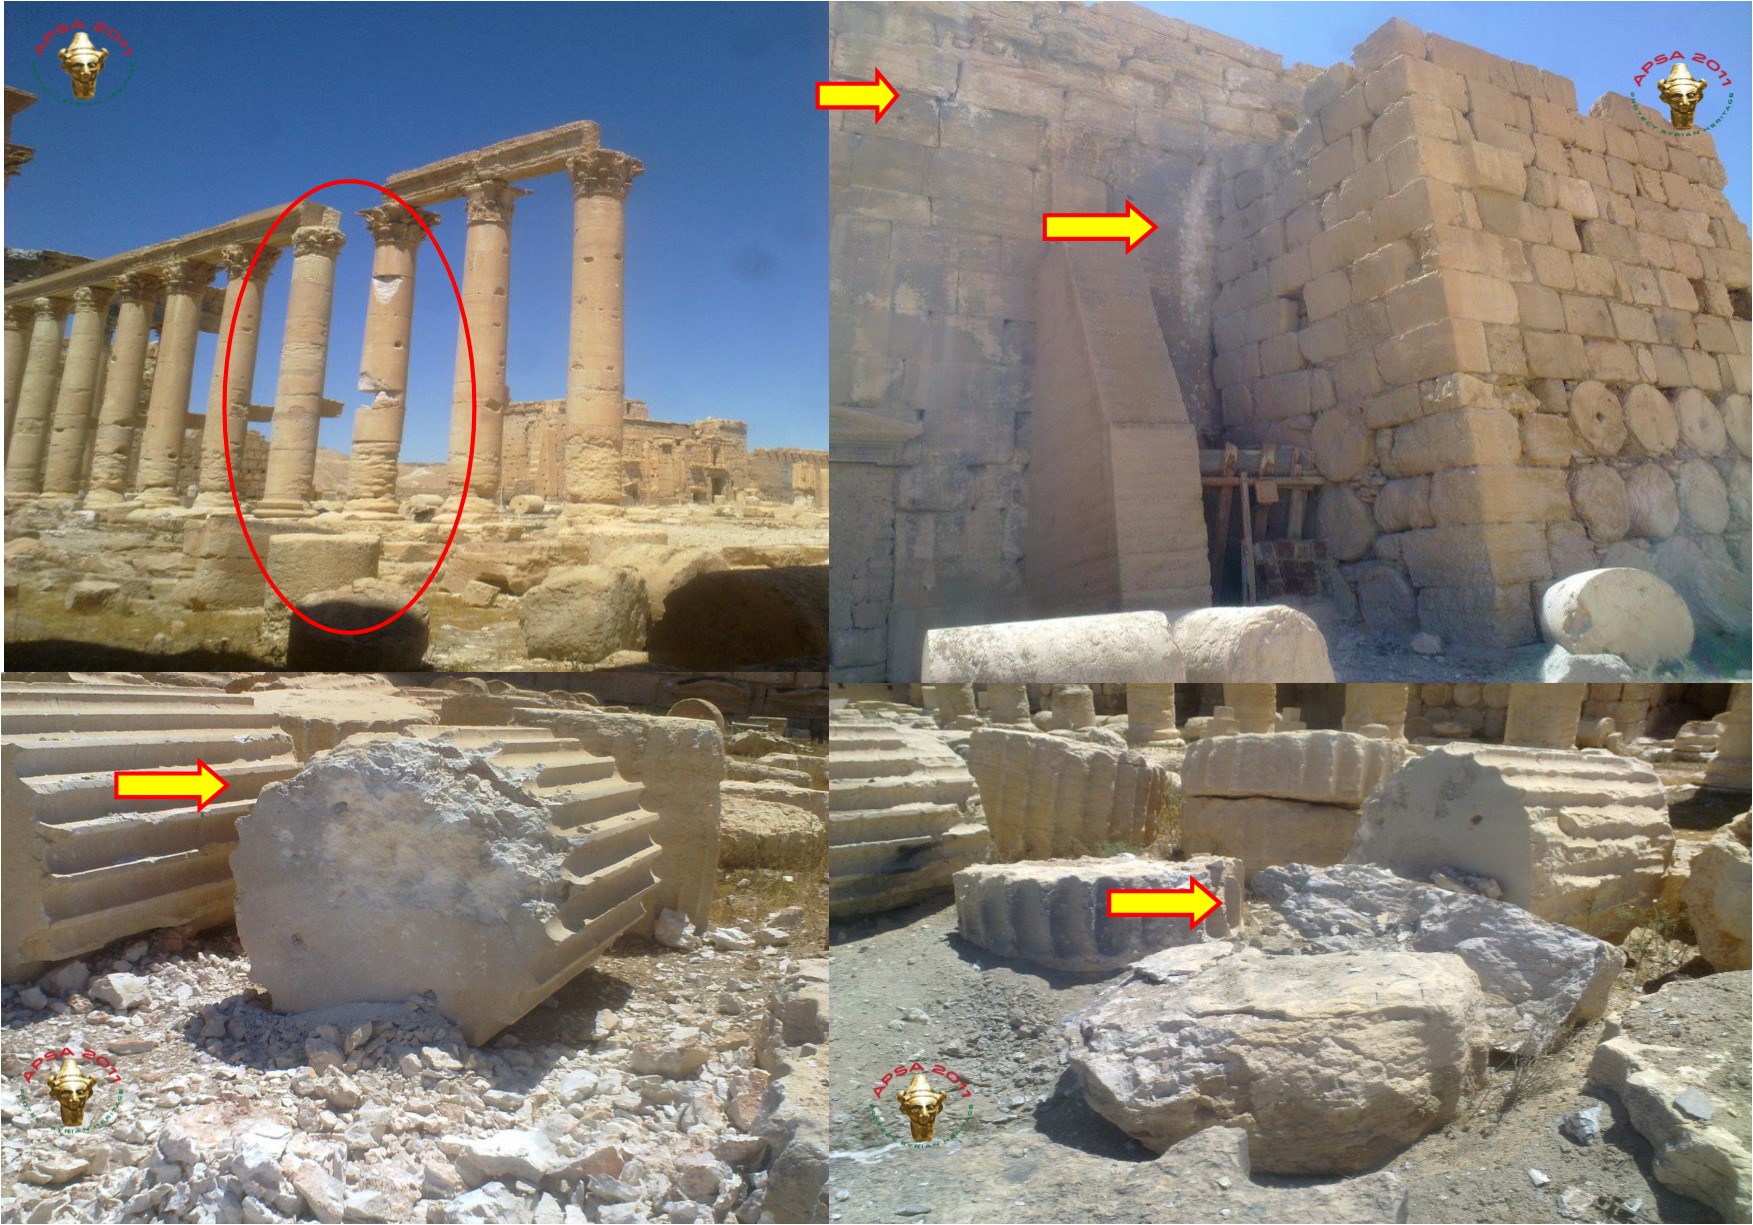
1005,112
1483,709
1515,336
665,461
789,474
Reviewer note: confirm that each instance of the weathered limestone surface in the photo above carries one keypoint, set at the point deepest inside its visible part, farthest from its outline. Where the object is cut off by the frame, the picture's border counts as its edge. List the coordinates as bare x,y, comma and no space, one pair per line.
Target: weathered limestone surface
1719,897
488,870
756,832
1678,1060
1383,705
1255,706
82,867
585,613
304,361
1544,716
230,388
1265,644
1577,838
1342,768
1537,976
1730,767
1055,796
897,827
1124,647
1150,715
1619,611
1054,913
1332,1062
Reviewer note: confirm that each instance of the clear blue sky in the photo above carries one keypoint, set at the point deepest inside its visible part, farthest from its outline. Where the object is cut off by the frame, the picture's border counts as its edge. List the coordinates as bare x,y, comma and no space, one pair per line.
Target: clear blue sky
1599,46
237,107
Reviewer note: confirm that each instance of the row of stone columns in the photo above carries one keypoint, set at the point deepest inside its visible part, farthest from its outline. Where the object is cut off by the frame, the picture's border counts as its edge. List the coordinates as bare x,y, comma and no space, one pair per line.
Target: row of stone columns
48,429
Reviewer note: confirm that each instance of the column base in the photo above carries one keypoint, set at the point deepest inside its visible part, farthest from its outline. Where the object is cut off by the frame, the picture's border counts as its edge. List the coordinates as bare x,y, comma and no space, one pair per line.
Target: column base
98,498
372,508
277,509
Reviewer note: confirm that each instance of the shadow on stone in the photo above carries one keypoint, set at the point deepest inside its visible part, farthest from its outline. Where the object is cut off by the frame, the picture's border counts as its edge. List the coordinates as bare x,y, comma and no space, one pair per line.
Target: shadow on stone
771,618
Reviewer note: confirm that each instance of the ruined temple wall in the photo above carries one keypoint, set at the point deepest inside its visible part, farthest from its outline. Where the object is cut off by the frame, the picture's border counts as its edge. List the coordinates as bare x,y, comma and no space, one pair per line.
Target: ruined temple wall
785,474
1515,336
1005,112
667,461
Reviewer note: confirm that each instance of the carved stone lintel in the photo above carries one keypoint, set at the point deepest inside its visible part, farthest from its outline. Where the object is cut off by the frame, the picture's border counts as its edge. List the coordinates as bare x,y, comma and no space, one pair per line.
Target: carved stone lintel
90,298
391,224
49,308
318,240
490,200
603,172
139,287
183,276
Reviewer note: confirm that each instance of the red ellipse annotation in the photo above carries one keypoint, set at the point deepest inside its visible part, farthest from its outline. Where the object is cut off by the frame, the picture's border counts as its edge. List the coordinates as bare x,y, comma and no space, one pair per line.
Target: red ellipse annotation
225,399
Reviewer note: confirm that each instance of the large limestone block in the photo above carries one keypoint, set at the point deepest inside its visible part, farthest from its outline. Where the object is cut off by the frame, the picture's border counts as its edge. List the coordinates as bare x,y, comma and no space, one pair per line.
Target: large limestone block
1055,797
391,867
1717,897
1332,1062
1054,912
749,618
898,823
1577,838
1342,768
1617,611
1261,831
304,563
82,867
582,614
1111,647
1678,1060
1538,976
763,833
1268,643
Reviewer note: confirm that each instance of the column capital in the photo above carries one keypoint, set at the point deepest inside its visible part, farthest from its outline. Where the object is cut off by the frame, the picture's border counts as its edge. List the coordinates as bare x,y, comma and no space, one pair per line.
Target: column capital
318,240
603,172
185,275
17,317
48,308
138,287
89,298
235,259
491,200
392,225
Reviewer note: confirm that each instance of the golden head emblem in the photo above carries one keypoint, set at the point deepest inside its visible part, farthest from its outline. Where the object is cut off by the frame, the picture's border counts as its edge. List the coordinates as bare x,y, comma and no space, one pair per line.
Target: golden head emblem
82,61
71,1088
921,1104
1682,92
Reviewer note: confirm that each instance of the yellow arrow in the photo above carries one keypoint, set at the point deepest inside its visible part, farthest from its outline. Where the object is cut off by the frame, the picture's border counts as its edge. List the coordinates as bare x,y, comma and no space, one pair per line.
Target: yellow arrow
200,785
1195,901
1132,226
877,95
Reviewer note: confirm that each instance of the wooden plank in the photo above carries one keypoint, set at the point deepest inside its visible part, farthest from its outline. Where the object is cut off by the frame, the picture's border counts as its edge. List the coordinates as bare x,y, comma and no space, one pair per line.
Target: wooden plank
1225,501
1248,580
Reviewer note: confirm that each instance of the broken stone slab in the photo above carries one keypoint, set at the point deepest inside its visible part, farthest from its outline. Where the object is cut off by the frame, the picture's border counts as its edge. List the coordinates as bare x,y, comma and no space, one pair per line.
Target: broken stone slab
1322,767
1678,1060
1265,644
1577,838
1108,647
391,867
1261,831
1717,895
1559,665
1618,611
1053,796
1538,976
761,833
1054,913
1332,1062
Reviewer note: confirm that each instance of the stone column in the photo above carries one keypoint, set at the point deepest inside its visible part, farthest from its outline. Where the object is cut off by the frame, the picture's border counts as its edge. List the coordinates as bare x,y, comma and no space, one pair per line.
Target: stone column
1007,703
42,366
383,366
1150,715
1376,703
167,412
1731,768
1544,716
119,412
1256,706
17,345
953,701
596,379
304,363
65,462
233,402
1073,706
487,299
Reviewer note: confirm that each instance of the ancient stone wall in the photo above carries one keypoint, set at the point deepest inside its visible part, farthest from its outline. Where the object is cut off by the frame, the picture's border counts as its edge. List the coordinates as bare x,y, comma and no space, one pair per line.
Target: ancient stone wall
1515,336
789,474
1006,111
663,461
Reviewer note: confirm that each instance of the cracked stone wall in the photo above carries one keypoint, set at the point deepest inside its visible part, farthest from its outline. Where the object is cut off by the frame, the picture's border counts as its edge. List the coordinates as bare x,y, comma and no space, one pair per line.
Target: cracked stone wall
1514,335
1006,112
